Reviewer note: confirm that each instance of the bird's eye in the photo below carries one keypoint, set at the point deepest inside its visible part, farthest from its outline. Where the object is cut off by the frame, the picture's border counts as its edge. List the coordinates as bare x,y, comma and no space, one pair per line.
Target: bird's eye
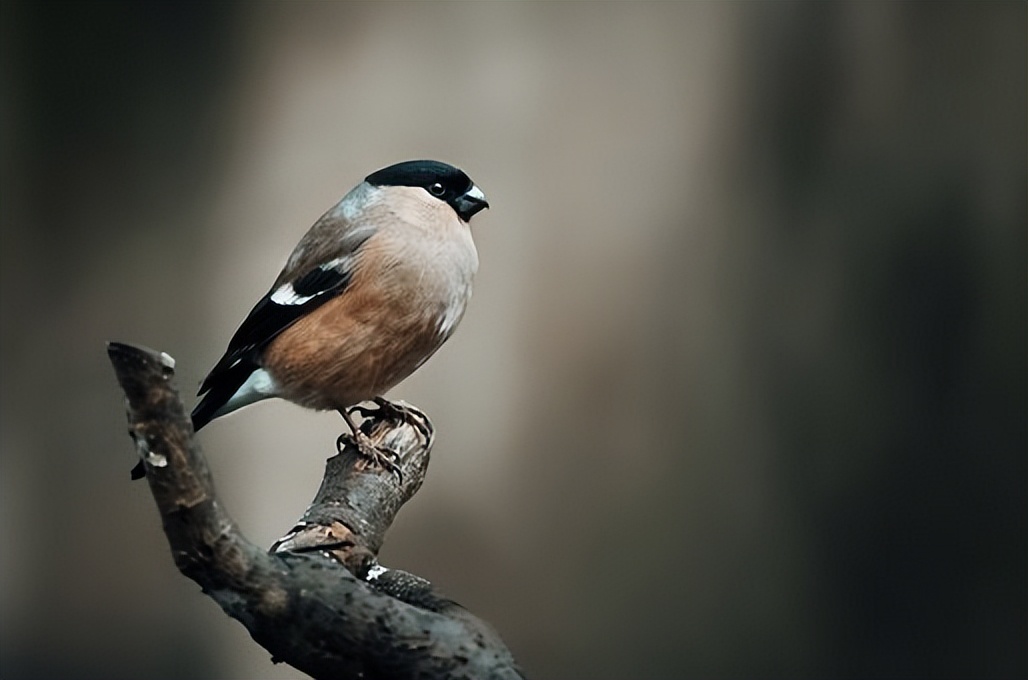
437,189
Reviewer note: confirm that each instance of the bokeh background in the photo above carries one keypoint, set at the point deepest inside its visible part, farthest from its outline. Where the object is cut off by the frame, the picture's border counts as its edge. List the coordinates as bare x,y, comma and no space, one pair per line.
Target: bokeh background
743,388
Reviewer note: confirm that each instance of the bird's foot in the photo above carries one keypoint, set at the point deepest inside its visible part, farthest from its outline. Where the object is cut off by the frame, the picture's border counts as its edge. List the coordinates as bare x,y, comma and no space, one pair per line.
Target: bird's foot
382,456
403,412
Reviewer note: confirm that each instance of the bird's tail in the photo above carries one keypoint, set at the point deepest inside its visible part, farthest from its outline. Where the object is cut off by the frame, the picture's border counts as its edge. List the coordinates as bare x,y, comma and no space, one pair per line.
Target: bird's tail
203,412
222,386
231,389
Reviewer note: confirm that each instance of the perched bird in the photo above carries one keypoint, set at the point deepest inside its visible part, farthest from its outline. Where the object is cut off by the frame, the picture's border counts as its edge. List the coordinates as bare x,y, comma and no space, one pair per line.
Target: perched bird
370,292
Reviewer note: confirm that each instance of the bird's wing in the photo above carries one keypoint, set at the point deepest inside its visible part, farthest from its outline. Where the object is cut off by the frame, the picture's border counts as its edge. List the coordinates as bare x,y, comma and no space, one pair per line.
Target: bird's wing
307,286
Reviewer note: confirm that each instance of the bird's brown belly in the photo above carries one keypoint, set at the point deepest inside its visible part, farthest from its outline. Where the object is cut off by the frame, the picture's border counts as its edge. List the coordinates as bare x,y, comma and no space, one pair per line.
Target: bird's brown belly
350,350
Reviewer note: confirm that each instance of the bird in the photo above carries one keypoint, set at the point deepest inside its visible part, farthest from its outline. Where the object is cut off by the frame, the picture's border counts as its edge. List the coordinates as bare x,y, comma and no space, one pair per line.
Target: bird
369,293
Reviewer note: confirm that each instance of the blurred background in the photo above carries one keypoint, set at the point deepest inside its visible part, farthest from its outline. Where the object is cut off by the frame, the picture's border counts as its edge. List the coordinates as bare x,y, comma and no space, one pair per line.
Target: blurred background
743,388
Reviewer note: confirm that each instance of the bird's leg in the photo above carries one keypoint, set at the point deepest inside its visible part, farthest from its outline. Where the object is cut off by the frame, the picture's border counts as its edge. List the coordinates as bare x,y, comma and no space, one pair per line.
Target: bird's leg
384,457
406,413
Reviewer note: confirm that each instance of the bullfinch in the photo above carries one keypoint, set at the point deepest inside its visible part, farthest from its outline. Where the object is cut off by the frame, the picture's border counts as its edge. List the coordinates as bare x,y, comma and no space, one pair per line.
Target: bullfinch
370,292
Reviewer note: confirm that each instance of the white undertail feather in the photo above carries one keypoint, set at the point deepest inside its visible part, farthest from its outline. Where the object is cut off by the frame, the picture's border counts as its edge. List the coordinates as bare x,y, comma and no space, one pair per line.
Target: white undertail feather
260,385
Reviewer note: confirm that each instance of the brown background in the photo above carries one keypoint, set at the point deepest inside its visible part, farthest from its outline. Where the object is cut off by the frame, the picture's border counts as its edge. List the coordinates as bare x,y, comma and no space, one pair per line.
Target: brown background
742,390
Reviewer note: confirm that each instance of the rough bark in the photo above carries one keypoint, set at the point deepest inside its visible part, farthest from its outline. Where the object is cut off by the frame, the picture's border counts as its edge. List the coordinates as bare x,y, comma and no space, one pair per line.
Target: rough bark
318,600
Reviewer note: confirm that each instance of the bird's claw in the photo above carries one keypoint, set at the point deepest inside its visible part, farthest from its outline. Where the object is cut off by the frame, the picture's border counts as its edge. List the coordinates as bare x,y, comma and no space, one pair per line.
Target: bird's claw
362,411
405,413
382,456
398,412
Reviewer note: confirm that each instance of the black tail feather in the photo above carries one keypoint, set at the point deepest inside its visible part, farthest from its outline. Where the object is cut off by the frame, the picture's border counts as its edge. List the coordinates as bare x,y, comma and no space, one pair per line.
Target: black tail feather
222,386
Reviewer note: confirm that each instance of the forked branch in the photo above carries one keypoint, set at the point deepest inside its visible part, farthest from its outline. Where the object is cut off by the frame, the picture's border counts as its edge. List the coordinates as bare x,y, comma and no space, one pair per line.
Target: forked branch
318,601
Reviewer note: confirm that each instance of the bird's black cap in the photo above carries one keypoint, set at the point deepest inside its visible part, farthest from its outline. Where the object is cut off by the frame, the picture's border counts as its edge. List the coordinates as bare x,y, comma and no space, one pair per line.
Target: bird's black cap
420,174
442,180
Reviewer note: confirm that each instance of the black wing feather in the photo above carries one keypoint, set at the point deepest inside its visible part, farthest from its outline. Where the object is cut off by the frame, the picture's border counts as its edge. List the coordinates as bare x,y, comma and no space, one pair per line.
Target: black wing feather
264,322
321,280
226,384
268,318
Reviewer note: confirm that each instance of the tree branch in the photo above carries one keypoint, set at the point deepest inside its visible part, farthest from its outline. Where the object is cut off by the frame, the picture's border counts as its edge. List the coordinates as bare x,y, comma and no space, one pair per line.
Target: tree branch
319,601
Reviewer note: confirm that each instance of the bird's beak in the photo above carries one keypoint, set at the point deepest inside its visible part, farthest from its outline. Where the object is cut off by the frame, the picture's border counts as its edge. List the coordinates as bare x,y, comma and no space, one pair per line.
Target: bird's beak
470,203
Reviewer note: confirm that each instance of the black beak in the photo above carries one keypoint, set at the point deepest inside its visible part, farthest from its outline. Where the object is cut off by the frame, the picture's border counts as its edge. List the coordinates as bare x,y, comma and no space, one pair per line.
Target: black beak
472,202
